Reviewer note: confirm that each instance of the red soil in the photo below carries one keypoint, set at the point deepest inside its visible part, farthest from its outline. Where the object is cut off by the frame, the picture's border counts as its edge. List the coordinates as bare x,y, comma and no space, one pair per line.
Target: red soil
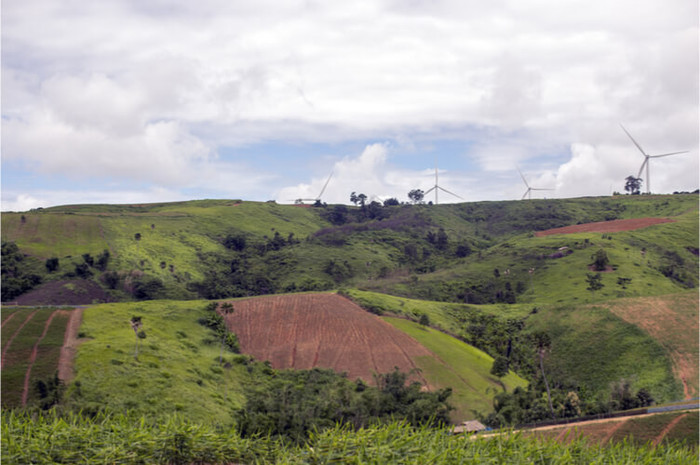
321,330
606,226
70,346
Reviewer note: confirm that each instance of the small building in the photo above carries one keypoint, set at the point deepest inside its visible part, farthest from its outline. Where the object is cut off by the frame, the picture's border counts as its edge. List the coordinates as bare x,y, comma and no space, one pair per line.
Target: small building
472,426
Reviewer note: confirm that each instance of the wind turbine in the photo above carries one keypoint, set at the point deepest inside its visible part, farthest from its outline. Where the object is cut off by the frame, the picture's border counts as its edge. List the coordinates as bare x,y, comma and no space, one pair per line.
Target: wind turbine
528,192
319,195
647,157
437,188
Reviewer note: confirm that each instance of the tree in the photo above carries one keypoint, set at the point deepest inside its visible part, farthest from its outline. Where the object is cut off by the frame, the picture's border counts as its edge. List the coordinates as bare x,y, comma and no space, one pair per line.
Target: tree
102,260
391,202
51,264
632,185
353,198
543,343
136,325
416,196
500,366
600,260
362,198
594,281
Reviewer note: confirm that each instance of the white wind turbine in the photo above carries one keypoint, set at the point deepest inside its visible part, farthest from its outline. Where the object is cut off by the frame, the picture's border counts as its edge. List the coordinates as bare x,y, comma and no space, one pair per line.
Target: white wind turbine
647,157
437,188
301,201
528,192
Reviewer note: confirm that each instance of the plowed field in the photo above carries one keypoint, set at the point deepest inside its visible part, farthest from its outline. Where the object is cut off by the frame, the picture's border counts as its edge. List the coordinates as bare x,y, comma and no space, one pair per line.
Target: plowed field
321,330
606,226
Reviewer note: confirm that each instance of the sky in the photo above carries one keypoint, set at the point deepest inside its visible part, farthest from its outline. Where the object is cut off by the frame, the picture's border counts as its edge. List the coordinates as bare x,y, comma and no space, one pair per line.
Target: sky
132,101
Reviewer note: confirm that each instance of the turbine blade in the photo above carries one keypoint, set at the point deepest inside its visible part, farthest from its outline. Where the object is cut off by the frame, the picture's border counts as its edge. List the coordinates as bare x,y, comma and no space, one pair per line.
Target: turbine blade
635,142
451,193
525,194
325,185
667,154
541,189
429,190
523,178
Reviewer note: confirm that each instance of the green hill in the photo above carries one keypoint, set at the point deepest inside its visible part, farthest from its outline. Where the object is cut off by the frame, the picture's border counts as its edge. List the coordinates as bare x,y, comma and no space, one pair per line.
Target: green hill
476,271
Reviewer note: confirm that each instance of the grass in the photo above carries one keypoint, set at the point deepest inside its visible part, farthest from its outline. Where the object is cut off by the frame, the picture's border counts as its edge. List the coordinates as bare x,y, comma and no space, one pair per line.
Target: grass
592,348
460,366
177,363
122,439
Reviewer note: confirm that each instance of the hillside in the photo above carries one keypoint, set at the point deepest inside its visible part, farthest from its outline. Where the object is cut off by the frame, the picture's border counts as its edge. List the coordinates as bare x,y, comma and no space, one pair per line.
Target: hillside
614,304
473,252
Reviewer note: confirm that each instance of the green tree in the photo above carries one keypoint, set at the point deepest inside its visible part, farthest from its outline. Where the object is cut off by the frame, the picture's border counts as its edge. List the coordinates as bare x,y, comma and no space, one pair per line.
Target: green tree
102,260
632,185
416,196
600,260
500,366
594,281
543,344
51,264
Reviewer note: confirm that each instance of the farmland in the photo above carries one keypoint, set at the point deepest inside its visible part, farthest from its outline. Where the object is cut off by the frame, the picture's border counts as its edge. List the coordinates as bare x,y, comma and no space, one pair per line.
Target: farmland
31,348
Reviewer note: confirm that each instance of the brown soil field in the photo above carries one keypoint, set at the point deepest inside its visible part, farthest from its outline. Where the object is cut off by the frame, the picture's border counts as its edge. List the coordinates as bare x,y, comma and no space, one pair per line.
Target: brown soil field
606,226
322,330
673,321
64,292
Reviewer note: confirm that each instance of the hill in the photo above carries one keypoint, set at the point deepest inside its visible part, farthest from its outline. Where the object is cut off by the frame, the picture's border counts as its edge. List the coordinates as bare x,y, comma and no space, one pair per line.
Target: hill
220,248
477,275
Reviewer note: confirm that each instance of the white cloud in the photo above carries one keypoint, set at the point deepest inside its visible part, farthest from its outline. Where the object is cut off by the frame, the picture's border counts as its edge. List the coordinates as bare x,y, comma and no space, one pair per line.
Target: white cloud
152,91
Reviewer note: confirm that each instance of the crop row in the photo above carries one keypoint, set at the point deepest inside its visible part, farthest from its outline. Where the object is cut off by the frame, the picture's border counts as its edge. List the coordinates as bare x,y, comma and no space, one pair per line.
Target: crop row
31,349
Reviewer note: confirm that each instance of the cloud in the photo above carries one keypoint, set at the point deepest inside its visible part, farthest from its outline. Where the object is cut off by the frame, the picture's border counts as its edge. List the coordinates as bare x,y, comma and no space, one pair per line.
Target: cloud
164,93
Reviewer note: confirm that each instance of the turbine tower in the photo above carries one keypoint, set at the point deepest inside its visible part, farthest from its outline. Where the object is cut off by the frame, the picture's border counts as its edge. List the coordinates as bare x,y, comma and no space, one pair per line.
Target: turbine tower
437,188
647,157
528,192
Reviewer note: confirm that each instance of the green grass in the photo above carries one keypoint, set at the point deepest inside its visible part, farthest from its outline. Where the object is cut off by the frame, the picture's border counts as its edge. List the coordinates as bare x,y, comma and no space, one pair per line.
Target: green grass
591,348
460,366
177,369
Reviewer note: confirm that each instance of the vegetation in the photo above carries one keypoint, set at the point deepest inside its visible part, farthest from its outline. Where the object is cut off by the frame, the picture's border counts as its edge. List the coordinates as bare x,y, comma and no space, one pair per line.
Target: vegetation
119,438
295,403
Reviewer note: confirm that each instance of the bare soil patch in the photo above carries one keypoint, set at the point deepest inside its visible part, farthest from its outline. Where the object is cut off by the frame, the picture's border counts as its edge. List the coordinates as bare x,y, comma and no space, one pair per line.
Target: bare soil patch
606,226
70,346
65,292
321,330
